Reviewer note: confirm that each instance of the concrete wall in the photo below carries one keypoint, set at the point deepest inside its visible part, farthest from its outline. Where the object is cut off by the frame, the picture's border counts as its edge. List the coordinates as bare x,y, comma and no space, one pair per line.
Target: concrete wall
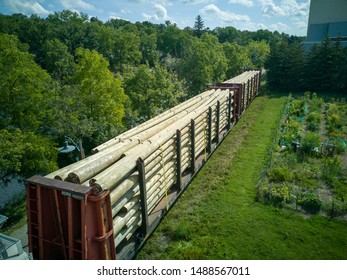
327,18
327,11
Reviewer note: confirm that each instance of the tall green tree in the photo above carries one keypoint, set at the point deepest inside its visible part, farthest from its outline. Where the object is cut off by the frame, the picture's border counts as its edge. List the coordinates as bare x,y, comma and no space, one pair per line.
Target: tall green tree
69,27
277,65
258,53
24,87
57,60
151,91
204,63
25,92
24,154
97,95
199,26
237,57
126,47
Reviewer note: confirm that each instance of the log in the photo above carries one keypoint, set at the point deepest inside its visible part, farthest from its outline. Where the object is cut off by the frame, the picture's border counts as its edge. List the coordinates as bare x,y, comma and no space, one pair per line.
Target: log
131,203
189,104
121,169
122,218
129,183
127,231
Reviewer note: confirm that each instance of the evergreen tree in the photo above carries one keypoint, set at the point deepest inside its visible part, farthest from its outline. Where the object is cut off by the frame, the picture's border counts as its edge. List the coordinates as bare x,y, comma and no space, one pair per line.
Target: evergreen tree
198,26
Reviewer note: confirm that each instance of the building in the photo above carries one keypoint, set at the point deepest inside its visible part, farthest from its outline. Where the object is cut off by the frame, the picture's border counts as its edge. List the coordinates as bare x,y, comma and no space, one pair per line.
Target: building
327,18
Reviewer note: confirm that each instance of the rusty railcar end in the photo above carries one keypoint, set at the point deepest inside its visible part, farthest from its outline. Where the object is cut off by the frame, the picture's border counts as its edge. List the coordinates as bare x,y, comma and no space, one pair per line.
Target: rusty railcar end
68,221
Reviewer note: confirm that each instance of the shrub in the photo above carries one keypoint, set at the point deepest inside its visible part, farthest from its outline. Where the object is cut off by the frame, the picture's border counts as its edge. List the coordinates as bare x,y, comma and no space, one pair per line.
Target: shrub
280,195
313,120
310,143
310,202
279,174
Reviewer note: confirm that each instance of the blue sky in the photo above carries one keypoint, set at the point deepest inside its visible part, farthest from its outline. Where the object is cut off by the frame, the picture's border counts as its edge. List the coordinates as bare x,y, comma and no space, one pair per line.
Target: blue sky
289,16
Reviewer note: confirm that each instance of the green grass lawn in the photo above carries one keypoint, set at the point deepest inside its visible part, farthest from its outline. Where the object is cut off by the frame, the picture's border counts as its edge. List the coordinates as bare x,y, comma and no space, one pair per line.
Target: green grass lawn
217,216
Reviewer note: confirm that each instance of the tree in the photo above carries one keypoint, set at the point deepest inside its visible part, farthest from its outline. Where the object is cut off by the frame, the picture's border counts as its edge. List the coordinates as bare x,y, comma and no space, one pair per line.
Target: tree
198,26
277,65
25,92
204,63
24,87
238,59
148,46
69,27
172,40
258,53
126,47
151,91
98,97
24,154
57,60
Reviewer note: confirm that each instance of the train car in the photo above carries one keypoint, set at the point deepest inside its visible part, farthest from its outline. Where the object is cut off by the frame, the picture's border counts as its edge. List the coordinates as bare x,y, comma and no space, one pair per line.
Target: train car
106,205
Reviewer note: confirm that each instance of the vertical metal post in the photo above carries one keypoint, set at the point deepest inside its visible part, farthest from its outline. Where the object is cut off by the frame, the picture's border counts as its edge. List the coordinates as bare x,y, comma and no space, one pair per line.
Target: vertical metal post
179,159
143,196
192,137
229,111
217,121
243,98
252,88
209,140
248,92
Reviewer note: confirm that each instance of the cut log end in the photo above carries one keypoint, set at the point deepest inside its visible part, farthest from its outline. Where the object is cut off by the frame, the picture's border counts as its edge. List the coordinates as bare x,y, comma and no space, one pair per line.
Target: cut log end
96,188
73,178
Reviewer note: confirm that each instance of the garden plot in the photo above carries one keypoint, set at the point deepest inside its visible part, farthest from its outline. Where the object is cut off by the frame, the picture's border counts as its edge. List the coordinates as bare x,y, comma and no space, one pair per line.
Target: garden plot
308,168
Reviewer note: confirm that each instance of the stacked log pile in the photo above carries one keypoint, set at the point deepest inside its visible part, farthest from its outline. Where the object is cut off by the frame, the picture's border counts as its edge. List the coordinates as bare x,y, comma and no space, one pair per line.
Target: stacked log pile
114,165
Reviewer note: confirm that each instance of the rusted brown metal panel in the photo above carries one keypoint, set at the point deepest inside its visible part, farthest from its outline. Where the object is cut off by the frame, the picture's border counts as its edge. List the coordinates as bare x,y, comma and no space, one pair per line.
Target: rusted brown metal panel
68,221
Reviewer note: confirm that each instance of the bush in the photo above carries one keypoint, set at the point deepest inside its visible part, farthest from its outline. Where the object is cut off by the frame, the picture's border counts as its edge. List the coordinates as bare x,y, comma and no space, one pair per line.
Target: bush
15,211
279,195
310,143
310,202
279,174
313,120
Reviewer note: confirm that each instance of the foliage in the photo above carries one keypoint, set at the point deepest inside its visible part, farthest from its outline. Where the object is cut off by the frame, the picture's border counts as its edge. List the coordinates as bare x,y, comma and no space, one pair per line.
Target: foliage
280,174
15,210
311,143
198,26
258,53
24,87
25,153
57,60
310,202
204,64
290,68
97,95
237,57
151,91
313,120
292,131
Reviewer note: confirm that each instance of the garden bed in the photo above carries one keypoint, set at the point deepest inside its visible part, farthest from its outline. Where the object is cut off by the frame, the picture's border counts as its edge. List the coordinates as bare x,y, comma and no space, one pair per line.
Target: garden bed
308,167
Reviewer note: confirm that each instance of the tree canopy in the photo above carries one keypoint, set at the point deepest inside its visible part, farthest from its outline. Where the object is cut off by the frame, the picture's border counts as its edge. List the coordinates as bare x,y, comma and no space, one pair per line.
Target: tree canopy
69,74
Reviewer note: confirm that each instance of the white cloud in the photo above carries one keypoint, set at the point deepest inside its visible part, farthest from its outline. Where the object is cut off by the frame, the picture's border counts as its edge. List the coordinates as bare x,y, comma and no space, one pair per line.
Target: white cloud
279,26
252,26
247,3
159,13
285,8
195,1
76,4
213,11
26,7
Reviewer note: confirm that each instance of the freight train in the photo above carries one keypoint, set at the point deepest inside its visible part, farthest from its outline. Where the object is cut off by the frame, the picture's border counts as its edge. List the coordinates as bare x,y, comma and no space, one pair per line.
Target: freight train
106,205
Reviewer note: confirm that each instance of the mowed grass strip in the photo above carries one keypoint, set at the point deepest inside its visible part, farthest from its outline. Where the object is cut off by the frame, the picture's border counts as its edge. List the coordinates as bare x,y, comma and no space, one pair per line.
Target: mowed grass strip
217,216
